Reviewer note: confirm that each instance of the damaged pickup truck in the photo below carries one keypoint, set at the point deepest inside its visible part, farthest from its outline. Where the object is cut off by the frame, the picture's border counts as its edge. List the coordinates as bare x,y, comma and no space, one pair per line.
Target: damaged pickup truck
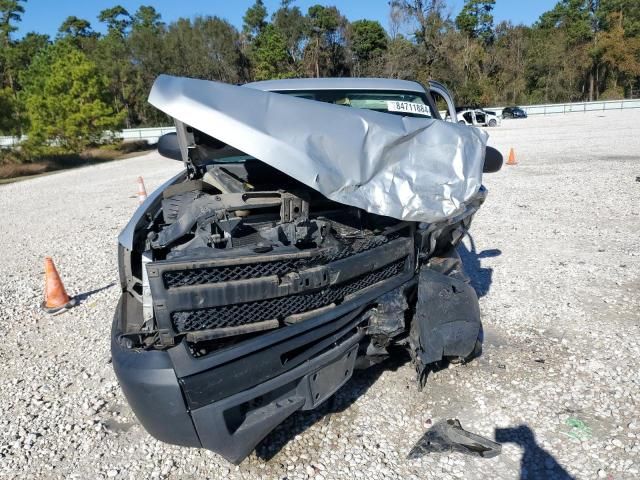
314,227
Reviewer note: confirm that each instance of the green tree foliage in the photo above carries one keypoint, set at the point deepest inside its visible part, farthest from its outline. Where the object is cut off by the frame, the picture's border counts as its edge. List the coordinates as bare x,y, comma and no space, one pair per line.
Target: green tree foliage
10,62
67,100
269,55
148,59
629,11
620,55
111,55
291,23
78,33
117,19
76,27
9,124
325,51
255,19
369,44
207,47
476,19
10,13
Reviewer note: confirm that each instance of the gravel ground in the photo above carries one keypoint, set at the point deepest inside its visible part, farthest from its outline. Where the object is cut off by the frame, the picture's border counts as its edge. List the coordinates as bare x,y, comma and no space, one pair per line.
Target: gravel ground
555,258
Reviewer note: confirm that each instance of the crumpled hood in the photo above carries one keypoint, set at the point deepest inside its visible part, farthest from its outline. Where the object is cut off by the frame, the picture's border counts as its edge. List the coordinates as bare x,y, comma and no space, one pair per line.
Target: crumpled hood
407,168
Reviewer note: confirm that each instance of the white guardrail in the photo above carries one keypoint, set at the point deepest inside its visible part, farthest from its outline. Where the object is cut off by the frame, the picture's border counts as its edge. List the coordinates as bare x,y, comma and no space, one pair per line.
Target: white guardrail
577,107
151,135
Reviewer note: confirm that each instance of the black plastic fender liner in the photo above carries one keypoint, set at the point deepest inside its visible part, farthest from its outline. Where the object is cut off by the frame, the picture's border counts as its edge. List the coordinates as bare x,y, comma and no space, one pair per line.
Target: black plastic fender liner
447,319
150,385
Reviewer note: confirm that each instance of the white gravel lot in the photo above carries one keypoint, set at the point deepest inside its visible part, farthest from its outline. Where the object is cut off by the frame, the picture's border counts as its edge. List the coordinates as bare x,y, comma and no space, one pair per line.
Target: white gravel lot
556,262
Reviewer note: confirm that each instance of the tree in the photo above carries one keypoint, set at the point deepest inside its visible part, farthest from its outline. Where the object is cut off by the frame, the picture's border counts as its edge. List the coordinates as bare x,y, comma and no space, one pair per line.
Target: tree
269,55
476,19
76,27
324,53
368,39
112,55
621,56
400,59
146,43
78,32
67,100
117,19
8,110
147,17
511,46
255,19
629,10
207,48
10,13
428,19
290,22
22,53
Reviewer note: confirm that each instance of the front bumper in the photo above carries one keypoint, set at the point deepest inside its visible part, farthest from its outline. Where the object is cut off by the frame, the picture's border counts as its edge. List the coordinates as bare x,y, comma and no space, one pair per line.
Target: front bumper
204,403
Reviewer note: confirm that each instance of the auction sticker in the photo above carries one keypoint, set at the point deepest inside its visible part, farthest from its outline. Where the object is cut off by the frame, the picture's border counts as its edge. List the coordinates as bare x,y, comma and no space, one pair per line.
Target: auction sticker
408,107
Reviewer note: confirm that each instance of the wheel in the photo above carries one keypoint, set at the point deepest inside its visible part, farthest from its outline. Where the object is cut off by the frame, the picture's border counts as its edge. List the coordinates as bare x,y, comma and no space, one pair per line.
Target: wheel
462,122
492,123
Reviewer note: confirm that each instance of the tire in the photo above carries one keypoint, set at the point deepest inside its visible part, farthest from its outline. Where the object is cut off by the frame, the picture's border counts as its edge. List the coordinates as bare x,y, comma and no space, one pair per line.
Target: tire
462,122
493,123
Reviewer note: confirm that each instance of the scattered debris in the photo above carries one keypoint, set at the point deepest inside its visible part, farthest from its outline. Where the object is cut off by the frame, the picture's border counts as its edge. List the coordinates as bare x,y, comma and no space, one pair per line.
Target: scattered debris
579,429
449,436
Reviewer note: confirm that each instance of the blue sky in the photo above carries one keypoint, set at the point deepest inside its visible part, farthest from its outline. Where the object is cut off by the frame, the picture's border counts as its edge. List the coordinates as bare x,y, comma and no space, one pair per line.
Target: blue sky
45,16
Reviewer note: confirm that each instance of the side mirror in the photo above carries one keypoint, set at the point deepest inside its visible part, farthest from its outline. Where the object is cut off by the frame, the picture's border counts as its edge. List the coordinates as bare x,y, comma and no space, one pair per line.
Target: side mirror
169,147
492,160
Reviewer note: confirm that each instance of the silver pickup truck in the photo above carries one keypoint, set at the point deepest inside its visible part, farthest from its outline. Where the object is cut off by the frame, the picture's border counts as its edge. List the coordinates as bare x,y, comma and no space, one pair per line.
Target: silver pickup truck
313,229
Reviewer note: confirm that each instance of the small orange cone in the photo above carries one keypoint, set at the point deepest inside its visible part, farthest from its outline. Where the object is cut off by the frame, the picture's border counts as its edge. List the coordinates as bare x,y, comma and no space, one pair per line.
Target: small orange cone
55,296
142,192
512,158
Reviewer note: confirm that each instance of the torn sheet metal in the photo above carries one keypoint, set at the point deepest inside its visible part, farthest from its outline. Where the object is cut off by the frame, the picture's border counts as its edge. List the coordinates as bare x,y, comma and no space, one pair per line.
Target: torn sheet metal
449,436
407,168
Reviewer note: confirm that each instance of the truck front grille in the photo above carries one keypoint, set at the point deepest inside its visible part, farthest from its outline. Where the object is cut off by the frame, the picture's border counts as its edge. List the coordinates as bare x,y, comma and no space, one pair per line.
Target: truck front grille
279,308
208,275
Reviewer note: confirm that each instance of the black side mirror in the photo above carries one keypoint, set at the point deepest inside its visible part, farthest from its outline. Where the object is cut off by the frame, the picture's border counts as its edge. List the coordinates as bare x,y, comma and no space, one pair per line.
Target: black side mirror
492,160
169,147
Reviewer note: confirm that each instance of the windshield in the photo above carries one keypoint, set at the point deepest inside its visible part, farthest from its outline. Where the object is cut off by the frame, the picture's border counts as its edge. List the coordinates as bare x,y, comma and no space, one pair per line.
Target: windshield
402,103
406,104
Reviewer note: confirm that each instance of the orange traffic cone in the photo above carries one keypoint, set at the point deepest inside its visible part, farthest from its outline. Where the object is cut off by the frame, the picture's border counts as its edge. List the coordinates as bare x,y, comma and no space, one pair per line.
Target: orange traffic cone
55,296
142,192
512,158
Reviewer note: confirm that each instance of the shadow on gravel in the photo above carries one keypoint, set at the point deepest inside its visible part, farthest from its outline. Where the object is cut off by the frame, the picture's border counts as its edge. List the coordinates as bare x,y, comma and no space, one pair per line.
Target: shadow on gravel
481,277
536,463
82,297
341,401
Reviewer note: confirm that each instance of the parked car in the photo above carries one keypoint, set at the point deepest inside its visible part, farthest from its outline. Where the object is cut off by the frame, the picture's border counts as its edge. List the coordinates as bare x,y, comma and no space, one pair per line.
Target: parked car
479,118
312,231
513,112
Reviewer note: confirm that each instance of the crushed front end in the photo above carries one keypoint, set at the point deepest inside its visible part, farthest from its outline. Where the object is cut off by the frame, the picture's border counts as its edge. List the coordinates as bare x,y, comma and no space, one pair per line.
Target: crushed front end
247,296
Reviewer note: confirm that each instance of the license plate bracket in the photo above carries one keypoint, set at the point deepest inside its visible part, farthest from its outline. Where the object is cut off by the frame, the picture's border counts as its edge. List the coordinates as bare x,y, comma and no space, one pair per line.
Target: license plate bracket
325,382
